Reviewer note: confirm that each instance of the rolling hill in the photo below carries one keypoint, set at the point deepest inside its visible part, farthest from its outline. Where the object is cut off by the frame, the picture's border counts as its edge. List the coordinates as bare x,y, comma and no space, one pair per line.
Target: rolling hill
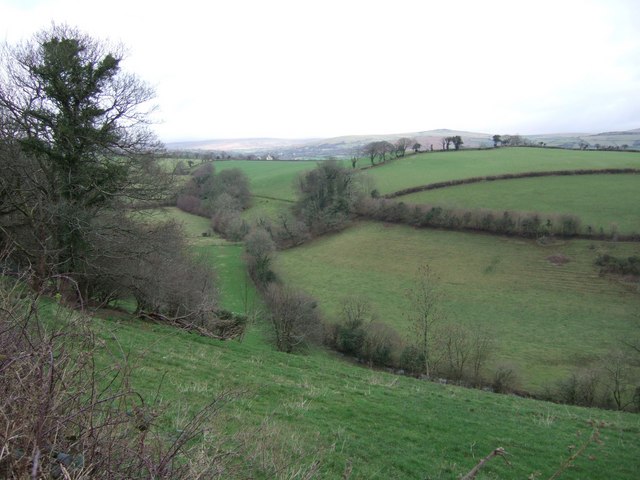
347,146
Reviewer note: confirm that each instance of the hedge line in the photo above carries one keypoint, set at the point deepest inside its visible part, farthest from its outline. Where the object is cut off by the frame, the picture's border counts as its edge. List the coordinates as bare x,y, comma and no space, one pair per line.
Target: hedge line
509,176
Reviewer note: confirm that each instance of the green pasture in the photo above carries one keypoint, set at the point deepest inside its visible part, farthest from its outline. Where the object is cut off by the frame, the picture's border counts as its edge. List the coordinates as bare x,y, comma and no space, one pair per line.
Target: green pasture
197,229
599,200
295,410
433,167
547,319
273,179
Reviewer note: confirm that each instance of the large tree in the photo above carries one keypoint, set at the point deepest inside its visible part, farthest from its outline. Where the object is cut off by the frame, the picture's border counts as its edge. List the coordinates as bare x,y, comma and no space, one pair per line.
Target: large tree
74,142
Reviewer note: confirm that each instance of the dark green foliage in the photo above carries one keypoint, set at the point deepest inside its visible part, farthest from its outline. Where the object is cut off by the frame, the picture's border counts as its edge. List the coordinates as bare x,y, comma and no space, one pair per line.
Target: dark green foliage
412,360
326,197
620,266
260,247
350,338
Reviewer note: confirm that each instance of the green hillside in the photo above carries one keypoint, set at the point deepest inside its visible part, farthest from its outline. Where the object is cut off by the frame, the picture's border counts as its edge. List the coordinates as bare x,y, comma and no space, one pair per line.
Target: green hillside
296,410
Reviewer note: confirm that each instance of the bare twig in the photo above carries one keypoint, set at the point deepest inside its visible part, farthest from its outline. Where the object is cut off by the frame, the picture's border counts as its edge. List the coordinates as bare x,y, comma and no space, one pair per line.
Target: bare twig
498,452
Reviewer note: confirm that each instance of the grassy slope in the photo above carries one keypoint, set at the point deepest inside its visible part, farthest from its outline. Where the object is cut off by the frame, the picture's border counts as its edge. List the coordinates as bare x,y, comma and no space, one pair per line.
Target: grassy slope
434,167
547,319
599,200
386,426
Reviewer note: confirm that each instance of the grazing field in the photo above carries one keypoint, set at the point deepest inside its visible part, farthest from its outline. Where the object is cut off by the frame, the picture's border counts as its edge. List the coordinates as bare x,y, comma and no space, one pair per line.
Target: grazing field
599,200
426,168
273,179
546,318
313,408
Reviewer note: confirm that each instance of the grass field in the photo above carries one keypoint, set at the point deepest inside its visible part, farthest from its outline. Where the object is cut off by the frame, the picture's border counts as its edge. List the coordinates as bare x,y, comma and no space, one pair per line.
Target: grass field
547,319
599,200
426,168
269,178
313,407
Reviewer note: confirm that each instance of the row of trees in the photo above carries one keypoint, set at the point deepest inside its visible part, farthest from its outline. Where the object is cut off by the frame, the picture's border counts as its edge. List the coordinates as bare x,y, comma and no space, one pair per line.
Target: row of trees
380,149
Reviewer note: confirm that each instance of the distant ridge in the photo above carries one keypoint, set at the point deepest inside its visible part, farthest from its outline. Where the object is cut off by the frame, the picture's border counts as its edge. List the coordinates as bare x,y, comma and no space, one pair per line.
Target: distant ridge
348,145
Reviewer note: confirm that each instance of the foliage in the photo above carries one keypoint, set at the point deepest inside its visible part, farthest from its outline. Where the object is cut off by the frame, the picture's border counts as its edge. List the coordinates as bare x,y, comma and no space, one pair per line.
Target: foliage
260,248
326,197
620,266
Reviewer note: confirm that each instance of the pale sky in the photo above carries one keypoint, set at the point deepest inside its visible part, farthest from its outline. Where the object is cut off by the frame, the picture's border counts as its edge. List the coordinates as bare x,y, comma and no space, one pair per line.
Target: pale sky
287,68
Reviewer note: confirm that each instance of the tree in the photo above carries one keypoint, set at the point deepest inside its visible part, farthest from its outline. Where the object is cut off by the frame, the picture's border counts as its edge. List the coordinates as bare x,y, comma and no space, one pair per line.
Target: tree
496,140
402,144
457,142
425,297
259,248
326,196
383,148
370,149
416,147
75,143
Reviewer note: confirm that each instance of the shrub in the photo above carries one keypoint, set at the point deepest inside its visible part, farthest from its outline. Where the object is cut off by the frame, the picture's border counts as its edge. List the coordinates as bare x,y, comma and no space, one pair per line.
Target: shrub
381,345
294,318
412,359
259,248
505,379
620,266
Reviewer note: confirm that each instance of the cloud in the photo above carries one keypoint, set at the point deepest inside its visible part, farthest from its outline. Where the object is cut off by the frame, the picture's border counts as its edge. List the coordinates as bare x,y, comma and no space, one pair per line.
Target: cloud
299,69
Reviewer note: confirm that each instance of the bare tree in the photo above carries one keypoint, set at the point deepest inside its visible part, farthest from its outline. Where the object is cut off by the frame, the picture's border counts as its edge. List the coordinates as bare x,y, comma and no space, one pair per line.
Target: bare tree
425,297
402,144
616,370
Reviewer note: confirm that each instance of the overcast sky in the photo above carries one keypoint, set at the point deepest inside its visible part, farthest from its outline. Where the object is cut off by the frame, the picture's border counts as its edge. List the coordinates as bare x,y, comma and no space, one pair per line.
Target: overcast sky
318,68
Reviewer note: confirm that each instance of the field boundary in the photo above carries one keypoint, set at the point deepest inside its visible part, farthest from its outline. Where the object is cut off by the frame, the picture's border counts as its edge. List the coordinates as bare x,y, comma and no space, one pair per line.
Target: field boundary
510,176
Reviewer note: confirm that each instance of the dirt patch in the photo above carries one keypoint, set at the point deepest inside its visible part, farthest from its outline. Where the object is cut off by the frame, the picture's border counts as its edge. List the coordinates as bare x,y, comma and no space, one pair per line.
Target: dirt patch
558,259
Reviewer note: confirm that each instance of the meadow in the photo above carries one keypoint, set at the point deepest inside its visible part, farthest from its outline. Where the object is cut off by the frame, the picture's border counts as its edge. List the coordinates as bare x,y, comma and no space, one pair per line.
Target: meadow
600,201
547,319
427,168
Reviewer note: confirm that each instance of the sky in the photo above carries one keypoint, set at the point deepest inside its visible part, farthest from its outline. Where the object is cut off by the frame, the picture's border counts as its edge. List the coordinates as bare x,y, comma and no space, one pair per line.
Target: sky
309,68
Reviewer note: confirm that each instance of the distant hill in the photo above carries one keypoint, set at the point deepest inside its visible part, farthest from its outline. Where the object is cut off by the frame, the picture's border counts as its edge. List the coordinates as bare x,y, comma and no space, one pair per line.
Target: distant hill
349,145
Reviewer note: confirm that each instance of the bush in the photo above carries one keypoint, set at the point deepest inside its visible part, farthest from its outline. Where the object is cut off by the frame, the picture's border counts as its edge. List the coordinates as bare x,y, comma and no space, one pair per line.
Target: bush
412,360
259,248
294,318
381,345
505,379
620,266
